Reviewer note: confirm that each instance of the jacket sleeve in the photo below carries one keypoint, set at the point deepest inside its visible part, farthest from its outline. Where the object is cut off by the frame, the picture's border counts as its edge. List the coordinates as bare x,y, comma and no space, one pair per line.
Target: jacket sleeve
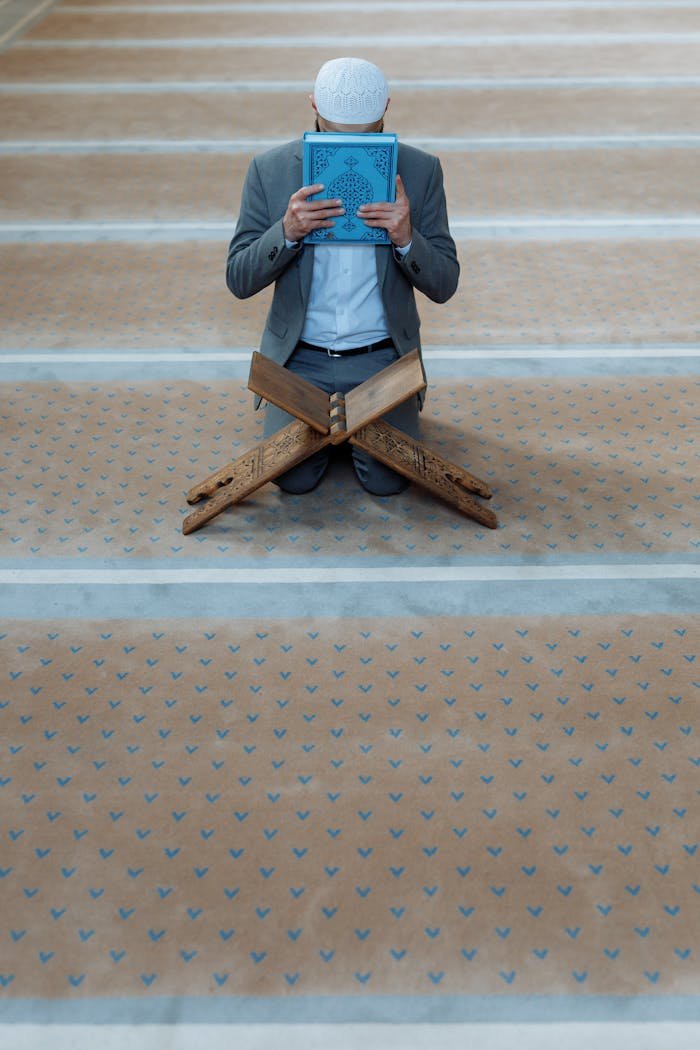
257,254
431,265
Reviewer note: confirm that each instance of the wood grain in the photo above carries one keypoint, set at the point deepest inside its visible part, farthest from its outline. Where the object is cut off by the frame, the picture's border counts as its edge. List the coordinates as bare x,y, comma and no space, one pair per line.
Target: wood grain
290,392
384,391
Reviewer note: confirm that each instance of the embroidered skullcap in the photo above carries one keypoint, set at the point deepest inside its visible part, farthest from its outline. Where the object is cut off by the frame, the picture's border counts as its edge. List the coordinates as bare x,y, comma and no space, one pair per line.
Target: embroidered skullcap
350,91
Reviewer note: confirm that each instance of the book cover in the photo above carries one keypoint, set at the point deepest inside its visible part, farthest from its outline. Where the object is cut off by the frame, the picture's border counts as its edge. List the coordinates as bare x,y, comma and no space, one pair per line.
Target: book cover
358,169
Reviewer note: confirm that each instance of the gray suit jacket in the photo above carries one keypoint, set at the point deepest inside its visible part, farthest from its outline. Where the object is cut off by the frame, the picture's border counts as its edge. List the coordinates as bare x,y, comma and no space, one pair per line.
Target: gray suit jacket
258,255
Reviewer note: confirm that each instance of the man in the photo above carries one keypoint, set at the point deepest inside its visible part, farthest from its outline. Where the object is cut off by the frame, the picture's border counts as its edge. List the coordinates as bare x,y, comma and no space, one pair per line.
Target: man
341,313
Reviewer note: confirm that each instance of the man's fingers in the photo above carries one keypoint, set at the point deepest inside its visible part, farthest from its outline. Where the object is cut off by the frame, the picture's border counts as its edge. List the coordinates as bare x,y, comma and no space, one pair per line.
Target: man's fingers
394,217
377,210
302,196
323,218
308,191
386,207
300,203
304,215
325,205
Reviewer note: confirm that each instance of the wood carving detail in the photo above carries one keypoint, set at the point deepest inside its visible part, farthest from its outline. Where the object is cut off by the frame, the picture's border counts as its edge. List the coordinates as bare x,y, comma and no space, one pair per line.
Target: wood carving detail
420,464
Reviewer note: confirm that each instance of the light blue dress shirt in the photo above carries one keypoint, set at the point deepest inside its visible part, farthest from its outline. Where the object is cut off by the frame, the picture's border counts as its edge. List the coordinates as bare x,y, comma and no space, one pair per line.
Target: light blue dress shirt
345,308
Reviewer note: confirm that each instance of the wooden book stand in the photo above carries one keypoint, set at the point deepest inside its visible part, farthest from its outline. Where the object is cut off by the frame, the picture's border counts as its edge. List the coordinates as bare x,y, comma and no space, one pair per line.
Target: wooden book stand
321,420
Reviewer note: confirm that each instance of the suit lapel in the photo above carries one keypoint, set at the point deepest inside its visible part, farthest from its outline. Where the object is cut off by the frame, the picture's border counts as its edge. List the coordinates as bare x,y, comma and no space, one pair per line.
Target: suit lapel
381,253
305,262
305,270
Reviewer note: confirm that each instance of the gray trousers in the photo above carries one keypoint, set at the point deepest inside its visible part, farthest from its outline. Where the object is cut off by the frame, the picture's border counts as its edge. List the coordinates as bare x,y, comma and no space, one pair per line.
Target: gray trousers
342,374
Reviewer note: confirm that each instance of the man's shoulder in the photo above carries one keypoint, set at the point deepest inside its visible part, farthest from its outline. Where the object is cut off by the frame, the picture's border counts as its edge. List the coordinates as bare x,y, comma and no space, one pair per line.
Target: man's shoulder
281,154
418,158
416,154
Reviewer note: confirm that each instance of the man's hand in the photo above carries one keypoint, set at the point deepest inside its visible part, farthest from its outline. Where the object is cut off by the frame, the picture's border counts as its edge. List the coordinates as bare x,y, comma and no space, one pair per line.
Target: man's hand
304,215
394,218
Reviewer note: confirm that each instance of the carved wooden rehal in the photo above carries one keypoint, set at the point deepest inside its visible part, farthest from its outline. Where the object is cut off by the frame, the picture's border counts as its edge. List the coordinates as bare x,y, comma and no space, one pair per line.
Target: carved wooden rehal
321,420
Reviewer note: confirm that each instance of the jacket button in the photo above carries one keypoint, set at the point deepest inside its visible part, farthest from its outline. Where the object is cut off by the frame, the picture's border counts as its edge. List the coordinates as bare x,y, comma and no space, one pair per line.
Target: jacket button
415,267
272,254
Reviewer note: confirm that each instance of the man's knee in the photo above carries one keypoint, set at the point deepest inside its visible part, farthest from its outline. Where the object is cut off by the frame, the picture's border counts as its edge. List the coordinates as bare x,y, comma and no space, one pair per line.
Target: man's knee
304,477
378,479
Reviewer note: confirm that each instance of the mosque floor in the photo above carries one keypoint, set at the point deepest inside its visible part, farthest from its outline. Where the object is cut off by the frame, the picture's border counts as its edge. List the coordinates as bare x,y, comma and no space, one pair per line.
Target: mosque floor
339,760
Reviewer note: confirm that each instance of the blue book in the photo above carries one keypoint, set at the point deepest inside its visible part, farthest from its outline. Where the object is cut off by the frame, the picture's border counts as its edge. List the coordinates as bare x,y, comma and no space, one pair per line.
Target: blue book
358,169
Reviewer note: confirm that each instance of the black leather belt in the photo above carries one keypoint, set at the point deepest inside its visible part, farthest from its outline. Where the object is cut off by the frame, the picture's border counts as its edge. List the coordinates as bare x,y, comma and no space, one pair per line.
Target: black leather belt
384,344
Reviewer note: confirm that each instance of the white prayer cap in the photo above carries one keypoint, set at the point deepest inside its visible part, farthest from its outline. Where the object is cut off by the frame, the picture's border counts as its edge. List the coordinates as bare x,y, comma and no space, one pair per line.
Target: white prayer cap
350,91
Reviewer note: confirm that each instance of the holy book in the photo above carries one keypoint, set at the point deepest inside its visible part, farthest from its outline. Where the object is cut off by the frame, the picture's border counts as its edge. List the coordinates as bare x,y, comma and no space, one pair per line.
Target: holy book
357,169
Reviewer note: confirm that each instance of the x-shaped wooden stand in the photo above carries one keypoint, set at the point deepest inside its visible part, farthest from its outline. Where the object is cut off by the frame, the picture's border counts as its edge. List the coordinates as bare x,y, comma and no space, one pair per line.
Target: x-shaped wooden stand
321,420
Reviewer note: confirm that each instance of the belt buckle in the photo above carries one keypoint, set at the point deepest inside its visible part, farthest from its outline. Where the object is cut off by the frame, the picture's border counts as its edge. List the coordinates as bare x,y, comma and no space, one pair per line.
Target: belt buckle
333,353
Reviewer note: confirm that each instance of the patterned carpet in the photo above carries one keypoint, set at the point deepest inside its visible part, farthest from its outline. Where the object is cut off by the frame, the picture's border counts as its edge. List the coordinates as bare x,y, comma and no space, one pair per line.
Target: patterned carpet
393,805
337,758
